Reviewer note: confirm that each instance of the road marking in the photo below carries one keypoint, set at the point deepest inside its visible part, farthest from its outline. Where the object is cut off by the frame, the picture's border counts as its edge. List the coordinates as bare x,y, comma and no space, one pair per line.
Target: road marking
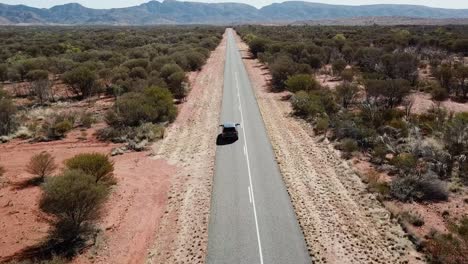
250,174
250,194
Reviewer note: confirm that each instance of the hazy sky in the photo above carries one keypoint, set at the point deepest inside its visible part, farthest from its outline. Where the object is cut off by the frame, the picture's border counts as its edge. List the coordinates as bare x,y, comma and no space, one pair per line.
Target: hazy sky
258,3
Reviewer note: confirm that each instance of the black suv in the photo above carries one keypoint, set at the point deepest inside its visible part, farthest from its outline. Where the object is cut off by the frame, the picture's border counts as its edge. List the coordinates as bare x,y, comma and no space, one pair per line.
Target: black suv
230,131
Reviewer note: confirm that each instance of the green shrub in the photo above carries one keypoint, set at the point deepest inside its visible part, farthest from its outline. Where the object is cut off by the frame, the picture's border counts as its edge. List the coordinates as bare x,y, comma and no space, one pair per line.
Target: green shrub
426,187
75,200
257,45
96,165
154,105
62,127
301,82
405,162
438,92
7,114
338,66
307,105
322,124
82,80
348,146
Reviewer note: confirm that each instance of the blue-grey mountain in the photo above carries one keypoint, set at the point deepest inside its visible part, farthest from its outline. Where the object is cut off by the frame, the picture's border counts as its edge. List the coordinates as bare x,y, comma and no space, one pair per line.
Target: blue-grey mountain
178,12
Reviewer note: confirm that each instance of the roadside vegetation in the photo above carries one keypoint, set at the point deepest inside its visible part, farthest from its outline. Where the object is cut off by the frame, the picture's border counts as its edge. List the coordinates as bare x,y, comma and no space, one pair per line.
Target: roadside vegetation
56,67
356,86
122,85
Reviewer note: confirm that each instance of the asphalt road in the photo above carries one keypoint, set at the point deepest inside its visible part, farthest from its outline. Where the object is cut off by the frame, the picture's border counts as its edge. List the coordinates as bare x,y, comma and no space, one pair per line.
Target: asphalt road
252,219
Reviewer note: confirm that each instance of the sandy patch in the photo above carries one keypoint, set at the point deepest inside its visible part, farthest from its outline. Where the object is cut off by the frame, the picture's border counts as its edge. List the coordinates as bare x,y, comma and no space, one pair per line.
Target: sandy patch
341,221
191,145
424,103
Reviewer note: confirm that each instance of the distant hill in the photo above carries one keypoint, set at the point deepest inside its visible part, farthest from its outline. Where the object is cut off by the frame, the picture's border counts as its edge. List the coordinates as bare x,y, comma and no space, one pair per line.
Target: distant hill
384,21
177,12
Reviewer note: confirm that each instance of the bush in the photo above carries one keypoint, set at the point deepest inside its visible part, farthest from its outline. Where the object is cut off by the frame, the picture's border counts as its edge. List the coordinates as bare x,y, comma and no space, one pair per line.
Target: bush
75,200
389,93
56,127
257,45
449,248
82,80
414,219
301,82
7,114
425,187
149,131
306,105
338,66
95,165
322,124
405,162
346,93
42,165
154,105
348,146
281,69
87,119
438,92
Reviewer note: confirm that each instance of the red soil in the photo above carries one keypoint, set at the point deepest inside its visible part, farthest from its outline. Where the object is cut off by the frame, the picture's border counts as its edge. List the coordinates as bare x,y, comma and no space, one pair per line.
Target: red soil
131,215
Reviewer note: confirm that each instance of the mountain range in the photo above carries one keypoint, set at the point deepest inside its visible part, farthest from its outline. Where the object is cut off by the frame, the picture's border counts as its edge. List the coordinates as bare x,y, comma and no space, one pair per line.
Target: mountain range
178,12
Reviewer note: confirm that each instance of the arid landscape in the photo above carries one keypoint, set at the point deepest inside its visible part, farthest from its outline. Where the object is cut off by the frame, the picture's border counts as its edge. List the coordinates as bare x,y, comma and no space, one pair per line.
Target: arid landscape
336,140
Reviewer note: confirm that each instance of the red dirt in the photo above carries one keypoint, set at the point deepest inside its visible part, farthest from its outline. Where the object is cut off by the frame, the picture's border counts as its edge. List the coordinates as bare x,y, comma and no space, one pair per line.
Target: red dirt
423,103
22,223
131,216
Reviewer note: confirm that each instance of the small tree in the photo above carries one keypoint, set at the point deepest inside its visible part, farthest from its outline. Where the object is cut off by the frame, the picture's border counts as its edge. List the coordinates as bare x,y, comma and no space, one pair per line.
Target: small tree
338,67
257,45
94,164
7,114
41,165
347,93
301,82
76,201
82,80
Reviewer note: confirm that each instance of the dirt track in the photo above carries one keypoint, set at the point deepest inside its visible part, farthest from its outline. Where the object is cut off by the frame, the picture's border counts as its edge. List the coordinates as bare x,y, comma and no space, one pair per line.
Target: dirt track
191,146
341,221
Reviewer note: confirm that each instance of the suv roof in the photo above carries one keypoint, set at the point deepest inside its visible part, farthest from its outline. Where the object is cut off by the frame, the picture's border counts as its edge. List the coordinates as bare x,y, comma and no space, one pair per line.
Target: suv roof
229,125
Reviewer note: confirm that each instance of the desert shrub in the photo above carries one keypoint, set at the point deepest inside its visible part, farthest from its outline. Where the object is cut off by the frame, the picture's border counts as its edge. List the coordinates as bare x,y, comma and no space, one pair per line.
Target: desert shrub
75,200
377,184
338,66
36,75
82,80
455,134
346,93
389,93
400,125
149,131
7,114
322,124
306,104
138,73
348,146
281,68
2,171
405,162
301,82
195,60
57,126
412,218
86,119
451,248
257,45
96,165
154,105
424,187
438,92
379,152
42,165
